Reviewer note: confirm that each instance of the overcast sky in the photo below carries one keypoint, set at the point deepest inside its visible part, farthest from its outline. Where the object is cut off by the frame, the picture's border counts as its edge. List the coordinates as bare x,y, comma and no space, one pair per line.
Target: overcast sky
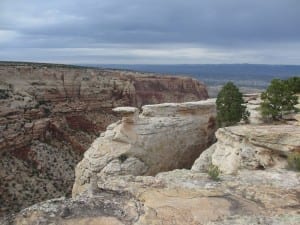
151,31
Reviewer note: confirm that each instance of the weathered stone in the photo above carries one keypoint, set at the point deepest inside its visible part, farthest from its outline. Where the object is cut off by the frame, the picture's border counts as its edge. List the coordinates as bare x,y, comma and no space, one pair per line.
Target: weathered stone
253,147
128,114
253,107
204,161
163,137
179,197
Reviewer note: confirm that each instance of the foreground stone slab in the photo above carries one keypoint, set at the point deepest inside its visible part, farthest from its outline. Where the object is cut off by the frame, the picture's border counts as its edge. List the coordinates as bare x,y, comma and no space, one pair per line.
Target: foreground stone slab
180,197
162,138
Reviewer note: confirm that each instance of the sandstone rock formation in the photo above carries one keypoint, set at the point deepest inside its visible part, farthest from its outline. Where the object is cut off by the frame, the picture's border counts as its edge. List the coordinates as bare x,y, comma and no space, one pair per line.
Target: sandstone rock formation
253,104
162,138
251,147
50,114
108,188
179,197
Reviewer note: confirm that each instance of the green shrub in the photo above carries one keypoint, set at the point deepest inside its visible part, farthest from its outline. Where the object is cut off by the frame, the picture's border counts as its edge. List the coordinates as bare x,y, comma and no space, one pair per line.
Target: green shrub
230,106
277,99
4,94
213,172
294,161
122,158
294,84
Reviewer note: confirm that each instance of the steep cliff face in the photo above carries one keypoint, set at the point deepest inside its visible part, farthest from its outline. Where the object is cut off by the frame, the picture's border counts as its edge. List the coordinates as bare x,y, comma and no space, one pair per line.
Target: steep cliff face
49,115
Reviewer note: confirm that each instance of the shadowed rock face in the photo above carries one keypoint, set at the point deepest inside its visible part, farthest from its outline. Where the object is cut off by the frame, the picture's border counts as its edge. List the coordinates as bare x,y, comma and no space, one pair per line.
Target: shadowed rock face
49,116
162,138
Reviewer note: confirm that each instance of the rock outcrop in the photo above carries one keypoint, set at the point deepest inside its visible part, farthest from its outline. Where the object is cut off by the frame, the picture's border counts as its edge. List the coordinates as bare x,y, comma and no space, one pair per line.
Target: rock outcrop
179,197
253,102
50,114
162,138
251,147
109,191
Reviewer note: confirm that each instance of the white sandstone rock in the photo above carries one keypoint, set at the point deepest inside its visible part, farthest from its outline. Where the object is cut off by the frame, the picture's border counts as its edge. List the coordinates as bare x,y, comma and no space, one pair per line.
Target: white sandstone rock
252,147
163,137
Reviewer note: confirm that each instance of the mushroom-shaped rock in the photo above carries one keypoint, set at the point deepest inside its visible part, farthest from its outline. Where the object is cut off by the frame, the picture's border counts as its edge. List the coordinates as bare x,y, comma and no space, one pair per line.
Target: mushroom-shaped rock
129,114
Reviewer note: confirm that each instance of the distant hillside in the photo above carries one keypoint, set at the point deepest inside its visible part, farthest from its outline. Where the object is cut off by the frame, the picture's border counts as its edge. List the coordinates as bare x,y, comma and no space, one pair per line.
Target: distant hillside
244,75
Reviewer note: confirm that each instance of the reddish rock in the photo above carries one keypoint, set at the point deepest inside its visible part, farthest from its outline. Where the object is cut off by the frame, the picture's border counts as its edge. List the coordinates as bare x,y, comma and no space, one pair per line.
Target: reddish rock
68,107
80,123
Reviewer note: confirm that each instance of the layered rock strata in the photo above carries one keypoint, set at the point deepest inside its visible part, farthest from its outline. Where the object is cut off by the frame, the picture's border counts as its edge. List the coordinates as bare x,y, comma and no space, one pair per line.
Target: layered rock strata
162,138
251,147
50,114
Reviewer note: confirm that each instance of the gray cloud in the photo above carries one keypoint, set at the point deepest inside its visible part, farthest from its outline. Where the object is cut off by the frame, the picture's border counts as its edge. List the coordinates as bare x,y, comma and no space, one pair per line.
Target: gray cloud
212,26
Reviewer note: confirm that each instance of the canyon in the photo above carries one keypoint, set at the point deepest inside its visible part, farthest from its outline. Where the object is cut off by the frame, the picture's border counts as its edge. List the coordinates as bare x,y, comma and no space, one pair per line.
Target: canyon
131,159
111,189
50,115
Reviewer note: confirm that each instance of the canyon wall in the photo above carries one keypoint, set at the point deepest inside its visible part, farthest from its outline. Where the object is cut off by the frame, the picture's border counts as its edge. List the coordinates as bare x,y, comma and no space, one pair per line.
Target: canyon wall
50,114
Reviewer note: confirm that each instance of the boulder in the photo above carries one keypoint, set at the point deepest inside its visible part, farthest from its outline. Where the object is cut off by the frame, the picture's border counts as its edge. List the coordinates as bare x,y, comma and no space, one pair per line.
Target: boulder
163,137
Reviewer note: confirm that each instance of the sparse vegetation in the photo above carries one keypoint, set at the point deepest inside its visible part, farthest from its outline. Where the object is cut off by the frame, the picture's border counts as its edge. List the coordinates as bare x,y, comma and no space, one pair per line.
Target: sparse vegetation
230,106
278,99
294,161
294,84
4,94
214,172
122,158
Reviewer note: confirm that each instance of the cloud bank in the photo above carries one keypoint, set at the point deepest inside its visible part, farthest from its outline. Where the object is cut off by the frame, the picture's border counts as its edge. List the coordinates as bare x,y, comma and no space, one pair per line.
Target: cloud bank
151,31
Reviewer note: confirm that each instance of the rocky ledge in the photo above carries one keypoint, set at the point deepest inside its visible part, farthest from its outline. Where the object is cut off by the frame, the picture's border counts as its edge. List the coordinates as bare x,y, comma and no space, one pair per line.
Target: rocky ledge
251,147
179,197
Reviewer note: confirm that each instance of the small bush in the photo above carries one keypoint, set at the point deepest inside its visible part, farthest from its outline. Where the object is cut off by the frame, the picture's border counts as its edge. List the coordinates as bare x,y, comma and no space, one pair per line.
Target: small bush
122,158
294,161
213,172
4,94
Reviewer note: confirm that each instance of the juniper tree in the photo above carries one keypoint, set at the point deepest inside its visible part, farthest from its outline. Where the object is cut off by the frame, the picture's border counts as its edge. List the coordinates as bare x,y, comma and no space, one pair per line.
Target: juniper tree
230,106
277,99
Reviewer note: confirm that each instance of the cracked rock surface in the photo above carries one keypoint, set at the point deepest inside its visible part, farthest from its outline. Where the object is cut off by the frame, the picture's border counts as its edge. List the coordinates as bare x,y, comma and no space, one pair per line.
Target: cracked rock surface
251,147
179,197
